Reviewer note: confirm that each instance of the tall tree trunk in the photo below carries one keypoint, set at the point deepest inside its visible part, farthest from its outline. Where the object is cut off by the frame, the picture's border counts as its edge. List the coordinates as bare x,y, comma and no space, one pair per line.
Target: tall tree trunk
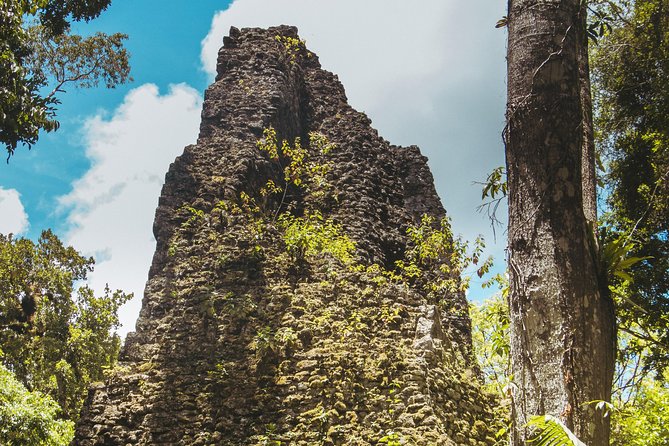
562,322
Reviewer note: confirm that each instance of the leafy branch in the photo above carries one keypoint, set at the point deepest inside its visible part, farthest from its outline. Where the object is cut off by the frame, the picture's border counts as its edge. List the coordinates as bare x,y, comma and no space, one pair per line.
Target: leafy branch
496,188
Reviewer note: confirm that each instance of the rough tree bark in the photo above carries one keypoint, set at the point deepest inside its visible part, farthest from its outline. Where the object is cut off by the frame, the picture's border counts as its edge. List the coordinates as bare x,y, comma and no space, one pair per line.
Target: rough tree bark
589,176
562,320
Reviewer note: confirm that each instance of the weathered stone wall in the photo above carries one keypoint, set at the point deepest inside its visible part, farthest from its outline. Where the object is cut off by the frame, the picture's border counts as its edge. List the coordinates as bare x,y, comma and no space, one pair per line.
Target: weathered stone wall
238,345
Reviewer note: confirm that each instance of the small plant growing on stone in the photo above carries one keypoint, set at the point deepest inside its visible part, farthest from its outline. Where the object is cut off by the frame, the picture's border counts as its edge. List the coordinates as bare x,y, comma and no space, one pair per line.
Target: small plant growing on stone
246,88
436,258
297,166
292,46
393,397
269,438
355,323
323,319
285,337
263,341
219,373
267,340
195,216
312,235
318,415
390,316
391,439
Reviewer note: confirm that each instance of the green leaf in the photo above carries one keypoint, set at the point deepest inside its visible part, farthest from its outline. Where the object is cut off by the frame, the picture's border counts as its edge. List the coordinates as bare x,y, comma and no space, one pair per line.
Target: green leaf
550,431
503,22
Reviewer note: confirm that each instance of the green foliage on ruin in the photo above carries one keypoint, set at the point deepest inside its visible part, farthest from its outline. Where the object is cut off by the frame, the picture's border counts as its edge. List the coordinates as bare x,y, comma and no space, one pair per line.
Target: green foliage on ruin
436,258
435,262
279,233
313,235
292,46
300,171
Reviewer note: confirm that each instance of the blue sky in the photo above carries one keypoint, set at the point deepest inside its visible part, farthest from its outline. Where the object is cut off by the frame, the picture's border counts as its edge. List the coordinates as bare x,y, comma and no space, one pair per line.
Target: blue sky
165,47
429,73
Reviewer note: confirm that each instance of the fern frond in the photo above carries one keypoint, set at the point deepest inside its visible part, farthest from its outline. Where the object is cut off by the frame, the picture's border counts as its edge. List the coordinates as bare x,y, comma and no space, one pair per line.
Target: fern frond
550,431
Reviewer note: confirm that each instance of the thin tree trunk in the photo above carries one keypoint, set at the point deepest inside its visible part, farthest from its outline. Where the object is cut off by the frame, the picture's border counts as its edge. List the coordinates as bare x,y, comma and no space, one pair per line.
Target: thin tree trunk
562,324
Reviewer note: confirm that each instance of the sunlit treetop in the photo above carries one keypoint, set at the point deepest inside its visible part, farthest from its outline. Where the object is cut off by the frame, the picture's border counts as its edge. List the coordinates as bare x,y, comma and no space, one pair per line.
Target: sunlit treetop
39,57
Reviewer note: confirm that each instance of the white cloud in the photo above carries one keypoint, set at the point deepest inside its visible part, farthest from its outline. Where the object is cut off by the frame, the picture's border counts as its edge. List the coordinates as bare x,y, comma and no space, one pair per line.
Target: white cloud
427,72
111,208
13,217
